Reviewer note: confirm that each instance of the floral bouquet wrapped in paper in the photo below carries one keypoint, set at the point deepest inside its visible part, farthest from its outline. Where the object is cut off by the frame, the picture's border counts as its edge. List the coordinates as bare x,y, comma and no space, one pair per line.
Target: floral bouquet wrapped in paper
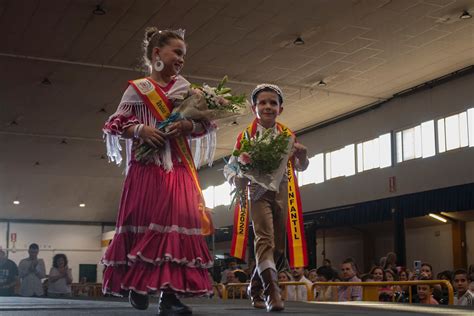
203,103
262,160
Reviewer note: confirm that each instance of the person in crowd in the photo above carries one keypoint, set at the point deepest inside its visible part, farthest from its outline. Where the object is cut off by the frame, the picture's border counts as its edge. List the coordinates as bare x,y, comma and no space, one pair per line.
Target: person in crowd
367,277
287,291
301,291
268,209
231,266
378,273
239,277
60,277
8,275
445,275
463,296
313,275
385,292
32,270
391,262
426,272
349,274
404,275
159,245
425,294
325,293
84,288
327,263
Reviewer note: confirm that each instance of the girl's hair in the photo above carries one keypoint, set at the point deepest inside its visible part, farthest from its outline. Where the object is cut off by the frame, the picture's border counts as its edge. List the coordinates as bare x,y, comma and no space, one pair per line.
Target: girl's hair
156,38
287,273
56,259
394,276
326,272
375,268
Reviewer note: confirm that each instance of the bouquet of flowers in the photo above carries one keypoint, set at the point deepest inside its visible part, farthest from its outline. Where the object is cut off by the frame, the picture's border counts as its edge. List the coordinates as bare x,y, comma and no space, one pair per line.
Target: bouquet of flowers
261,159
202,103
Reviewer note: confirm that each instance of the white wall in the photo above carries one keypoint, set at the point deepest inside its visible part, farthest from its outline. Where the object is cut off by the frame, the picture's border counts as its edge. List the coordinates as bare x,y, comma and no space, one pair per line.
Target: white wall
80,243
470,242
3,234
340,248
443,170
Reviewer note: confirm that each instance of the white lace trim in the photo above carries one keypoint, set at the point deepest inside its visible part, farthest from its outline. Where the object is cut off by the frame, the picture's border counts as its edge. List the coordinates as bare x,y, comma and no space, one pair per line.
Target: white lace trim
195,263
160,229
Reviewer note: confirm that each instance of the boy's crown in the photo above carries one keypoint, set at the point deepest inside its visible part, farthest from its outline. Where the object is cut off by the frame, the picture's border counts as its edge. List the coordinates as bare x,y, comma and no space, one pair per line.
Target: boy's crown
266,86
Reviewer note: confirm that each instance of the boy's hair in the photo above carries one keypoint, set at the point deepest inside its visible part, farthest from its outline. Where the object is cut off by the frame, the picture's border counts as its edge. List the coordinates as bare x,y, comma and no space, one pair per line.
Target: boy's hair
428,265
462,271
266,87
33,246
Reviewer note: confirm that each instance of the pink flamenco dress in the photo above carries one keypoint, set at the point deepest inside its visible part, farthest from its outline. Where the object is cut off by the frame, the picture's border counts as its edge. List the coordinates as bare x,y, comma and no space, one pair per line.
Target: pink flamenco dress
158,243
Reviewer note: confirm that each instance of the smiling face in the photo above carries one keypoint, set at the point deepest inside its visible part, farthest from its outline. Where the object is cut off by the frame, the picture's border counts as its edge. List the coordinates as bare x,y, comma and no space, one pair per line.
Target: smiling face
424,292
172,55
378,275
267,108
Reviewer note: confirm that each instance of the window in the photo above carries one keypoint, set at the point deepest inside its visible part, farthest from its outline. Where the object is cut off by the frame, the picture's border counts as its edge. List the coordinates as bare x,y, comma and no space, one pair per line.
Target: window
314,173
416,142
217,195
340,162
374,153
456,131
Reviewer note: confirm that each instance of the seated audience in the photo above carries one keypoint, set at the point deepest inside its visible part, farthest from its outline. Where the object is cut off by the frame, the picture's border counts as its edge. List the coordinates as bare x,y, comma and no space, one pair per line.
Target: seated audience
287,291
425,294
349,274
463,295
325,293
301,291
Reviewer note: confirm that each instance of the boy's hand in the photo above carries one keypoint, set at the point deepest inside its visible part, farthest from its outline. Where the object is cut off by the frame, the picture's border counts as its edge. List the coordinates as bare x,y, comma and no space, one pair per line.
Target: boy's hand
300,151
240,183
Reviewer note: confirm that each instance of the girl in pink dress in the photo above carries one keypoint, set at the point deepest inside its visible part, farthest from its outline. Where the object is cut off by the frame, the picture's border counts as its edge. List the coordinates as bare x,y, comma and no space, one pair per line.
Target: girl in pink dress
158,247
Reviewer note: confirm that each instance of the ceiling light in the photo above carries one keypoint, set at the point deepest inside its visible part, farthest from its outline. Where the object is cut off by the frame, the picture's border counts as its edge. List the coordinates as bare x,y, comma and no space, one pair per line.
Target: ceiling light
298,41
234,123
16,202
46,81
82,205
98,10
439,218
321,83
465,15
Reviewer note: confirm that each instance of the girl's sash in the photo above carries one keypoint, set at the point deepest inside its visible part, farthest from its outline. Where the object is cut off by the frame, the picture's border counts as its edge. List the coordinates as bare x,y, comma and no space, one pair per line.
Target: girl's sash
161,108
295,226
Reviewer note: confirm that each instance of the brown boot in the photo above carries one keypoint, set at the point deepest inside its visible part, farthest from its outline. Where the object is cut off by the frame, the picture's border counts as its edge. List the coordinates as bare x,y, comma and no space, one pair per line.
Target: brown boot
272,294
255,291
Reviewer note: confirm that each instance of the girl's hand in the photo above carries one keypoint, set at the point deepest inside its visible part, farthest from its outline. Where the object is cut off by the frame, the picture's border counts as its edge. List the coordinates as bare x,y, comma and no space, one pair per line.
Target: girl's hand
179,128
152,136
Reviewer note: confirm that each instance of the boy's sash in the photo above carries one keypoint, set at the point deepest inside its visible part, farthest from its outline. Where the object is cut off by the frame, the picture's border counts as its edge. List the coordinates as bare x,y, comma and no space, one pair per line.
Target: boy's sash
161,108
295,226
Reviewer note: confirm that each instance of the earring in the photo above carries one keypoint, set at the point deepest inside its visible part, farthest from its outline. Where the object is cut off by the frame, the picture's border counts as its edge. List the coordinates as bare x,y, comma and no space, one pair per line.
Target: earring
158,65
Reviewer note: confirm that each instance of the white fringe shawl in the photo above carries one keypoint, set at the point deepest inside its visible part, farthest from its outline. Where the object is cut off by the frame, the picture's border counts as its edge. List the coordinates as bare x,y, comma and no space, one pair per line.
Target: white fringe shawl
132,105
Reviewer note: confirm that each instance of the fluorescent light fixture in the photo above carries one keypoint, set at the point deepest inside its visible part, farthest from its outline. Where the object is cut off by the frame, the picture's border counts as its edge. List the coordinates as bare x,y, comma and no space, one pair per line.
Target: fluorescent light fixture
16,202
439,218
82,205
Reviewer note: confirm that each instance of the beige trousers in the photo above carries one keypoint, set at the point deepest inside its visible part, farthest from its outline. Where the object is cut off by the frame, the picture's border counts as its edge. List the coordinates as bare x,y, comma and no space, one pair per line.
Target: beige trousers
269,215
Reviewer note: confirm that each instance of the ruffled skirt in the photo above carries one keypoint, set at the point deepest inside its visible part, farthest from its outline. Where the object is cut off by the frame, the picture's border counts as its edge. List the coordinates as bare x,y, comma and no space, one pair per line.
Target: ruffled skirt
158,243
